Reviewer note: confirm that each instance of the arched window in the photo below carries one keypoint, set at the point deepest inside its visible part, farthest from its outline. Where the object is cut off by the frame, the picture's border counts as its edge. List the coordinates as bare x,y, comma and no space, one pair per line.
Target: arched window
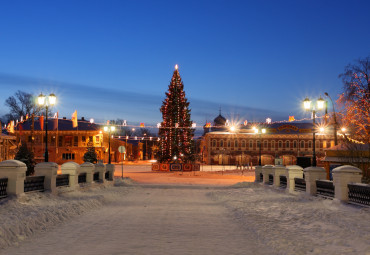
265,144
236,143
324,145
221,143
228,143
280,144
294,144
273,144
258,143
243,143
287,144
309,144
214,143
302,144
331,143
250,144
317,144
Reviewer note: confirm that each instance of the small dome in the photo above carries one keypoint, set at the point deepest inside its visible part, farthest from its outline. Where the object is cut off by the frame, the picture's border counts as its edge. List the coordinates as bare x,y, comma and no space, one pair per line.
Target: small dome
219,120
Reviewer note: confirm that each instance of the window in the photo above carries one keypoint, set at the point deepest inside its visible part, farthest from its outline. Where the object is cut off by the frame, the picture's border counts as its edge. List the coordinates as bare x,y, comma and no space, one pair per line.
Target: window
68,140
258,143
53,140
228,143
332,144
236,143
97,138
250,144
68,156
214,143
324,145
287,144
60,141
272,144
243,143
317,144
29,139
265,144
75,141
83,139
280,144
91,139
302,144
309,144
294,144
221,143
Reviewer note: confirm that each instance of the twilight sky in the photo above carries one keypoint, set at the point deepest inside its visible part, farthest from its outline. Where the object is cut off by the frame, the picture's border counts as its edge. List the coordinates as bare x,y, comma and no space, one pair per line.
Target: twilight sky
114,59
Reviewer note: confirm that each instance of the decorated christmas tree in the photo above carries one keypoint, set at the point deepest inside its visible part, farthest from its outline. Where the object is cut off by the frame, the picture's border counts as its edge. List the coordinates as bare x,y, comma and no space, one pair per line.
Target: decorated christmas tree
90,155
176,132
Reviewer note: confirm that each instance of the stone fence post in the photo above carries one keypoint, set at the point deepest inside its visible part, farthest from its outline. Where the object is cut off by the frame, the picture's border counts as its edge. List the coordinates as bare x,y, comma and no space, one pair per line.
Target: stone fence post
311,175
50,171
293,172
15,171
266,170
110,169
89,169
342,176
100,167
257,173
278,170
73,169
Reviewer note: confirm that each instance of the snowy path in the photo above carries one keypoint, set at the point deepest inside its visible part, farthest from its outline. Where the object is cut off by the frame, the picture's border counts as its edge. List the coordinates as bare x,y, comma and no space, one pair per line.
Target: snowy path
148,220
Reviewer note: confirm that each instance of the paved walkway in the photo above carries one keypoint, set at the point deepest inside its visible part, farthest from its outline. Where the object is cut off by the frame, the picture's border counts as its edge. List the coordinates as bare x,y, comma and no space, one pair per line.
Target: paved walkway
149,220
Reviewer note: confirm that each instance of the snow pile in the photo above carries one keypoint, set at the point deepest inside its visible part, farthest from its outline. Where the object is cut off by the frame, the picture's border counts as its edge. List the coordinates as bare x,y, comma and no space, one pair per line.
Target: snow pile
298,223
34,212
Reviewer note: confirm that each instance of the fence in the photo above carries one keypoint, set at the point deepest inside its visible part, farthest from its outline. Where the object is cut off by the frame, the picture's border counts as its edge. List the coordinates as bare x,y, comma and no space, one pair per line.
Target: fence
34,183
3,185
325,188
299,184
283,181
62,180
359,194
82,178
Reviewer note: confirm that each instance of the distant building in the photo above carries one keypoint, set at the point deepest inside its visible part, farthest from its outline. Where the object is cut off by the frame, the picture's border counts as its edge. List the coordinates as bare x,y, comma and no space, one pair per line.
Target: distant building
285,141
66,143
8,146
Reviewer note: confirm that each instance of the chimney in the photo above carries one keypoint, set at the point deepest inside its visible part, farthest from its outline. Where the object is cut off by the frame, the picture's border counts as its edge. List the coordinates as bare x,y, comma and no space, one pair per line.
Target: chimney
64,118
83,118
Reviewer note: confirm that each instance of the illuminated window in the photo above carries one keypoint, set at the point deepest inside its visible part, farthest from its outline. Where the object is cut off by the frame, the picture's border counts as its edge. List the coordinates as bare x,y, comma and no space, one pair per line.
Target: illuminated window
324,145
332,144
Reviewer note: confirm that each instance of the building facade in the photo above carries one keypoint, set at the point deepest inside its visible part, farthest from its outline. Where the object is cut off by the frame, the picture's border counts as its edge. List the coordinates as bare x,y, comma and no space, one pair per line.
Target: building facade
8,146
242,146
66,143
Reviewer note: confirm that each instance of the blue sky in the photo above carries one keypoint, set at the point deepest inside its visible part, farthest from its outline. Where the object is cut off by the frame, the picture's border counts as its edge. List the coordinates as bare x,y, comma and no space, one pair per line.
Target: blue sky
114,59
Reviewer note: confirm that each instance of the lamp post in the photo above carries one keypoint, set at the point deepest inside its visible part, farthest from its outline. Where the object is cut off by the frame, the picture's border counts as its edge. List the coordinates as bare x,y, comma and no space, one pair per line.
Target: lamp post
308,107
43,101
109,129
335,120
260,132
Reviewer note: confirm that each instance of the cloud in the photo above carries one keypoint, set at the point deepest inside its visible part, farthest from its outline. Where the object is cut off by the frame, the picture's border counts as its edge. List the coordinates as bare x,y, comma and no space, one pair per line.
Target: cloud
106,103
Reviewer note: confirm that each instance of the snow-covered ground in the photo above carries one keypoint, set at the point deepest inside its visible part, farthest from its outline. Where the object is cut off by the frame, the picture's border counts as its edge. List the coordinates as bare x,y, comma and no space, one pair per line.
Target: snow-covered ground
247,218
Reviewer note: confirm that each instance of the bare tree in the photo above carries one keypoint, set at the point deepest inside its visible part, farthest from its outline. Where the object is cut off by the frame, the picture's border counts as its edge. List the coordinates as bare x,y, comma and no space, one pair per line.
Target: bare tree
21,104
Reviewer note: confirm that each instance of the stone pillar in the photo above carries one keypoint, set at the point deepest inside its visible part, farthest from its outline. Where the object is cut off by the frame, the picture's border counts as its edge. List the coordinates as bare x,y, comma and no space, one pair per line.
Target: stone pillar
89,169
266,170
278,170
73,169
342,176
311,175
100,167
257,172
293,172
110,169
15,171
50,171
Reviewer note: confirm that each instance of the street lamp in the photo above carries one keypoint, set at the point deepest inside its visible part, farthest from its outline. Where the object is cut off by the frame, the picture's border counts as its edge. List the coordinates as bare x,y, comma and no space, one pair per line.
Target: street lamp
109,129
335,120
260,131
43,101
308,107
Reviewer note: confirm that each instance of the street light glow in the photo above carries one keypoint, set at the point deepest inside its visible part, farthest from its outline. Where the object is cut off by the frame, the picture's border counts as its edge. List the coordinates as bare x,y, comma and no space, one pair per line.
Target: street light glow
232,128
307,104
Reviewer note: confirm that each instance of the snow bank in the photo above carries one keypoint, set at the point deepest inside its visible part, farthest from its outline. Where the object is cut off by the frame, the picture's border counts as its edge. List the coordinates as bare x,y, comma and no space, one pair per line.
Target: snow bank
34,212
298,224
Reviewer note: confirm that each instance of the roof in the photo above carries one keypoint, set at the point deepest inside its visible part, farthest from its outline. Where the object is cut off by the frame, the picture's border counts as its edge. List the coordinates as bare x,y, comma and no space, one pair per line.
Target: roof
58,124
346,159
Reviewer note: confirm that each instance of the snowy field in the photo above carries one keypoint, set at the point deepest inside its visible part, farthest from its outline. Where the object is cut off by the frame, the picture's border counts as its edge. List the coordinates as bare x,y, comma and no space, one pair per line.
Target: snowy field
247,218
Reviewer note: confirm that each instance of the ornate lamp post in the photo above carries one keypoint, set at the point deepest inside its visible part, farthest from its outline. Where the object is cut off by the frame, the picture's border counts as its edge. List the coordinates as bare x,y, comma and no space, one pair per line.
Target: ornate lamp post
46,102
335,120
308,107
260,132
109,129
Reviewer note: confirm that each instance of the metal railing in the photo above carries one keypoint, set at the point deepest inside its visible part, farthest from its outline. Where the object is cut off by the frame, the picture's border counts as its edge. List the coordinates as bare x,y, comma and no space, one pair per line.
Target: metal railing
299,184
62,180
283,181
34,183
107,175
3,186
96,177
271,179
325,188
261,177
359,194
82,178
